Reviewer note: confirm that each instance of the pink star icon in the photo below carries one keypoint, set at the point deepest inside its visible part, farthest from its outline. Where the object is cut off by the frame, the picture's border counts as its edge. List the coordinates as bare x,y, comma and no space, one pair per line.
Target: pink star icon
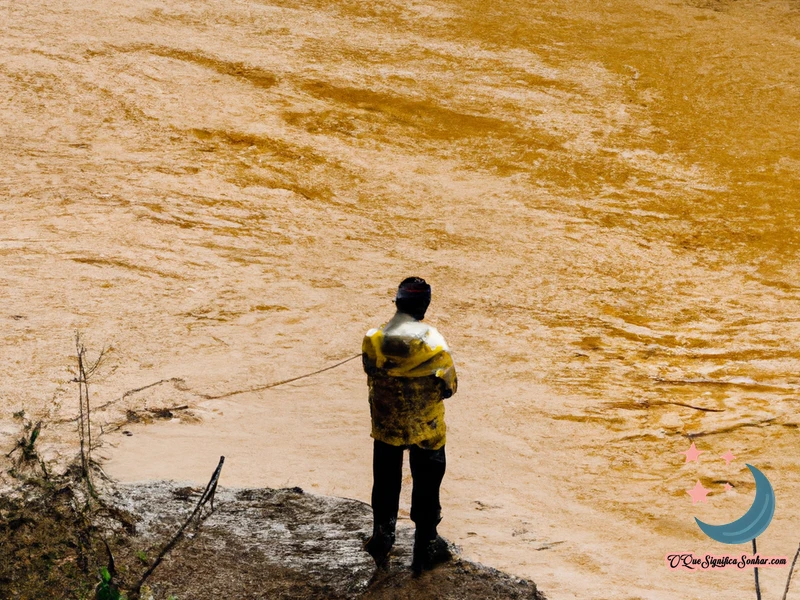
692,453
698,493
728,487
728,456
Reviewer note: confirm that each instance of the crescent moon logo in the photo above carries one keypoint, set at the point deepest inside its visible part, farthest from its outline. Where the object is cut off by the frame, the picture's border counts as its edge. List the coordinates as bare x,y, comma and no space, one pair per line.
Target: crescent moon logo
752,523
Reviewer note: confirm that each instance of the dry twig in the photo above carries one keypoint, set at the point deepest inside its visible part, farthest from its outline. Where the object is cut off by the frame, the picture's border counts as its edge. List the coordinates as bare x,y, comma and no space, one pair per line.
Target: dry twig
791,570
84,374
755,572
208,496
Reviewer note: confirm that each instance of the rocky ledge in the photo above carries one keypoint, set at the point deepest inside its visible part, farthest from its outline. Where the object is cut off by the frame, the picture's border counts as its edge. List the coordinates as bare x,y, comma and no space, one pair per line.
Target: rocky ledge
274,544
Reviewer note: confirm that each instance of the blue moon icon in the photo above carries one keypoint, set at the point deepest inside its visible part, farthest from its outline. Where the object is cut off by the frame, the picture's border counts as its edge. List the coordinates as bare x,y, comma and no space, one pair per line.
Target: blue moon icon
752,523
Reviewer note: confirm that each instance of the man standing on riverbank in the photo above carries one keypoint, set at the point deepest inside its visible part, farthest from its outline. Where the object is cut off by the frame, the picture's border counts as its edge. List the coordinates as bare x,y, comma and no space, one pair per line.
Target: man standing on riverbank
409,373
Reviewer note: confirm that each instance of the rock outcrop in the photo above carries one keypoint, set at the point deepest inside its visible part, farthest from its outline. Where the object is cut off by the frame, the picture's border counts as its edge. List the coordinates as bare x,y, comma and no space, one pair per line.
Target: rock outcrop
274,544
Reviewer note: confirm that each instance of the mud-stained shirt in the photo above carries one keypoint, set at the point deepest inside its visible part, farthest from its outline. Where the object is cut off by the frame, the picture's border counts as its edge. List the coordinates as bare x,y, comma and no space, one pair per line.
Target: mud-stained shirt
409,373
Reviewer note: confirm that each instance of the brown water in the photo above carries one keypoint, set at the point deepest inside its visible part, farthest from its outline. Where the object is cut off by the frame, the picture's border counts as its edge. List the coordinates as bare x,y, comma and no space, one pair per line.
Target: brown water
604,197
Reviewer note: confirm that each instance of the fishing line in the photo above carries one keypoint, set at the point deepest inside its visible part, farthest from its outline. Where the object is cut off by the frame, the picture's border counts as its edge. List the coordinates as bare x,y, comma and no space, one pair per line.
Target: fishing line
180,384
277,383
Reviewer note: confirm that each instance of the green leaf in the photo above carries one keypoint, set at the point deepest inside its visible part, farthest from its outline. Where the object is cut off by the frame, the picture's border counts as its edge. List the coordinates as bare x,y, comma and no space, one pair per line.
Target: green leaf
35,434
107,591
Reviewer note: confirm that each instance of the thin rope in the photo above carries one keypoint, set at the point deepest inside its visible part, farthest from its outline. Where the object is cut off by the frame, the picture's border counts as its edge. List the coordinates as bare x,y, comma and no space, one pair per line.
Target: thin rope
277,383
180,383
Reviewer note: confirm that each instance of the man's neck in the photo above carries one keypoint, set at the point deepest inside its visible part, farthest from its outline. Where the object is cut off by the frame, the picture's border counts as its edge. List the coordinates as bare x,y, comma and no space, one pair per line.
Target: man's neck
401,317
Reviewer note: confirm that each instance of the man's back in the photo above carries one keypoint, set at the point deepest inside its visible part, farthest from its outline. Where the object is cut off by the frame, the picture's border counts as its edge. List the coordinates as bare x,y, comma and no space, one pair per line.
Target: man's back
410,371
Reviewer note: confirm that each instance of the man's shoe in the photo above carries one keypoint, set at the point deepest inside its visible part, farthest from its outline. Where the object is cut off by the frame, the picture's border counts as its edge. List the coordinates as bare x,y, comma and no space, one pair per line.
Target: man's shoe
438,552
429,554
379,546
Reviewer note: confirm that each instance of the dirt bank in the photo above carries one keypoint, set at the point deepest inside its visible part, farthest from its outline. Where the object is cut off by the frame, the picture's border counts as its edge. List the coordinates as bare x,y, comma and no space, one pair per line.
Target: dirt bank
256,544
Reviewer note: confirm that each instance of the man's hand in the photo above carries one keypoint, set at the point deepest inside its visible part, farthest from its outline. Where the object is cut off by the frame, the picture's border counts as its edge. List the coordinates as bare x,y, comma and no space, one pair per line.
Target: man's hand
445,391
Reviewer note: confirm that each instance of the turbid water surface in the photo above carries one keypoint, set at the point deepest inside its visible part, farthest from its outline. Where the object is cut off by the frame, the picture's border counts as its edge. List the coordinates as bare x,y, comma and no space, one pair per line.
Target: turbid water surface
603,195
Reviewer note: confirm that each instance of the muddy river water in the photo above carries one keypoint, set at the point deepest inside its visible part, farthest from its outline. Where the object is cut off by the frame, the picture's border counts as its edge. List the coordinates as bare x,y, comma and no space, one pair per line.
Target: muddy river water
604,197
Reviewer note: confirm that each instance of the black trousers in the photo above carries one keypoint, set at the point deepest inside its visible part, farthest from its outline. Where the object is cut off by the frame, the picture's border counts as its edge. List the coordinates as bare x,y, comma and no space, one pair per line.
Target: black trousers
427,471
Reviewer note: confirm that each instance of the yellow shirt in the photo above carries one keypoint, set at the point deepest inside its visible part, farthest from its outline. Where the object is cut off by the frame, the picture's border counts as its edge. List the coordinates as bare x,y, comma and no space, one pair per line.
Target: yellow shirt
409,372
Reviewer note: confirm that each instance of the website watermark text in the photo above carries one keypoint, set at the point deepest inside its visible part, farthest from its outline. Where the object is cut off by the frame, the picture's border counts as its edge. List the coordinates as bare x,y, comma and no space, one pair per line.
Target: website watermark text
692,562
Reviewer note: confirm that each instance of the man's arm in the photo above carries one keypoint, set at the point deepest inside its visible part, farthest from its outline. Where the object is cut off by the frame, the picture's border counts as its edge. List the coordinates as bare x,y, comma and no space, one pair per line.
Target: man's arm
445,368
369,358
369,364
